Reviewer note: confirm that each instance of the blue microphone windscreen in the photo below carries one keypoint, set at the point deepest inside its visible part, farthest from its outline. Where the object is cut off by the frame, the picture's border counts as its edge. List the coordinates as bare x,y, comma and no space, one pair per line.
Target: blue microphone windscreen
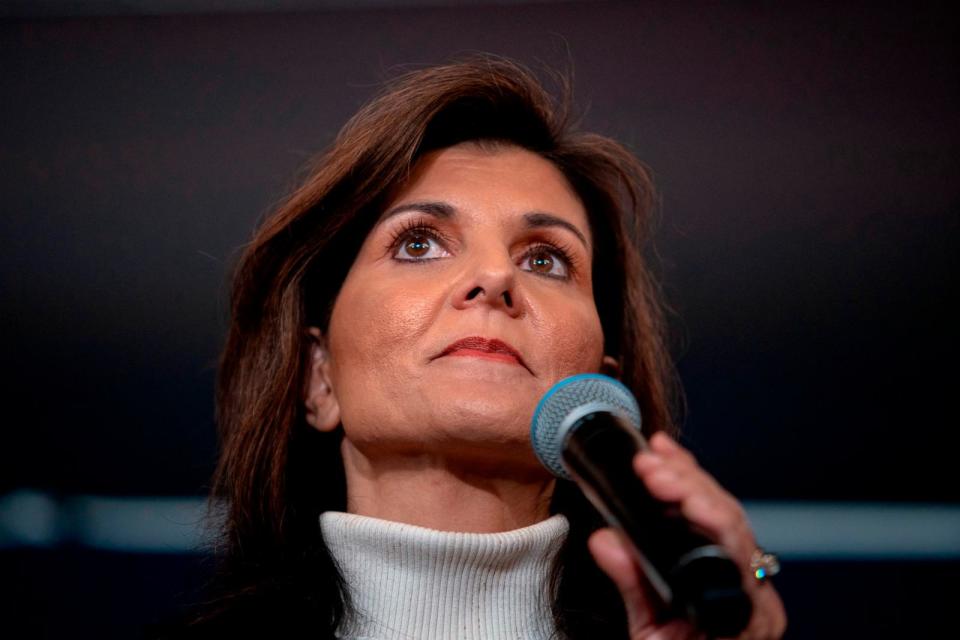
569,400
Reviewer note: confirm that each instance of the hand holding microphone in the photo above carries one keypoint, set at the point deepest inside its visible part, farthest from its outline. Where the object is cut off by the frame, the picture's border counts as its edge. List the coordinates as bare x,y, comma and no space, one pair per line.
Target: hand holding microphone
586,428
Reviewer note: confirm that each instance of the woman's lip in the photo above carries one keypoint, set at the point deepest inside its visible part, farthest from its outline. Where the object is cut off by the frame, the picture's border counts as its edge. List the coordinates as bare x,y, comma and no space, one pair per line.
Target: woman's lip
480,347
489,355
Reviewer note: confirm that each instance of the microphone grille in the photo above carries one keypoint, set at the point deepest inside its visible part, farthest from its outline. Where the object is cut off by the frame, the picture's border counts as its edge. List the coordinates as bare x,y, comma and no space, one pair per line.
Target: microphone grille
573,397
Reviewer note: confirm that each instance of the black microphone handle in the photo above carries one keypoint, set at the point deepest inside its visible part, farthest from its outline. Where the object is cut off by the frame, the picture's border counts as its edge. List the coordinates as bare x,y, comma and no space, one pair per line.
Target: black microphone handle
694,577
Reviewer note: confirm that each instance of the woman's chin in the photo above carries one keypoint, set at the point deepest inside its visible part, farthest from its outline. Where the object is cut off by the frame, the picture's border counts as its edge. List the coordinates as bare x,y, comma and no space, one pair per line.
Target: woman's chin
486,398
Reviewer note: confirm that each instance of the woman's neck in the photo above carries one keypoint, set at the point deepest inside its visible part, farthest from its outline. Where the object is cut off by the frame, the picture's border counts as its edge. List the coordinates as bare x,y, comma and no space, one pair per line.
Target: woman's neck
433,491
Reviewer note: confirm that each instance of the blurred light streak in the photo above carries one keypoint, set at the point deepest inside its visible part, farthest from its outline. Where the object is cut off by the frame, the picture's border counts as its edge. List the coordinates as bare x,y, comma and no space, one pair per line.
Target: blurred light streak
184,525
132,525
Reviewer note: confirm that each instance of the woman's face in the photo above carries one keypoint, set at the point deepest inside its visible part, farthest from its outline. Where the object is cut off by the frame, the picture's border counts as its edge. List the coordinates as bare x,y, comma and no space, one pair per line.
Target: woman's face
469,298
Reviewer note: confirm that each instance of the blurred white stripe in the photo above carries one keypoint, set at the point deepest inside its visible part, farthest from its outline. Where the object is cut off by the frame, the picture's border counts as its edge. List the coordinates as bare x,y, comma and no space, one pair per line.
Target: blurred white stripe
795,530
159,525
857,530
135,525
29,519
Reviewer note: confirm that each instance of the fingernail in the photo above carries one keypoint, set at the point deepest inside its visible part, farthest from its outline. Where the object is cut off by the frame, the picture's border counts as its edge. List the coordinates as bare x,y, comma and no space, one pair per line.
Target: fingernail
648,460
664,439
666,476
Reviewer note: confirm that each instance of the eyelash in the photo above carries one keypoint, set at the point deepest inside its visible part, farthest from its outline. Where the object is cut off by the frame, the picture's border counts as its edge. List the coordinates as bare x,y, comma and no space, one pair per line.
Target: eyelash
414,227
562,251
417,226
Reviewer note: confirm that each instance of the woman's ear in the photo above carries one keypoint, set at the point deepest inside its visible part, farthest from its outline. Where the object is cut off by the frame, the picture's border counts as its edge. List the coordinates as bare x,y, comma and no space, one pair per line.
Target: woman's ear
323,410
610,367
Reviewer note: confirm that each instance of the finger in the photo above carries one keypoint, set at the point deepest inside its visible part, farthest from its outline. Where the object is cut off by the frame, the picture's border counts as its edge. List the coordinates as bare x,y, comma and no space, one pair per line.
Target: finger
723,519
732,530
663,444
613,557
769,620
674,476
664,452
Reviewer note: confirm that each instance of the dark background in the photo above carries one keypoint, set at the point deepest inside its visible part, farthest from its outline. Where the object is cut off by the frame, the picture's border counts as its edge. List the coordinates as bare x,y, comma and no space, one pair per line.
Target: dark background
808,241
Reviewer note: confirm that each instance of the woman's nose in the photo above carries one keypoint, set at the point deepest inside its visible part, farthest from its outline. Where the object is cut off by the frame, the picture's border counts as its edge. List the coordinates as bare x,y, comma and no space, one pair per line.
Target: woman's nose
489,280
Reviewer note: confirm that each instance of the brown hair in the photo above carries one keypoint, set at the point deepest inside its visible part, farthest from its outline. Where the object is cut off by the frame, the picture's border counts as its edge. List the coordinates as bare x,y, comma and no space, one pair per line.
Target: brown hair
278,474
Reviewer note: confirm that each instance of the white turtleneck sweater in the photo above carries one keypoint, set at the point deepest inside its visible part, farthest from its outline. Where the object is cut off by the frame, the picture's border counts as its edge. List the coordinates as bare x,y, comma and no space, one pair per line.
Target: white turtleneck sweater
408,582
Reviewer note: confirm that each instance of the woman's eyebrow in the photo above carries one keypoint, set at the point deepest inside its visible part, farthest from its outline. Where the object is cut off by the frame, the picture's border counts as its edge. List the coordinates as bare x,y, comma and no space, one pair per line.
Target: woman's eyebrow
533,219
436,209
541,219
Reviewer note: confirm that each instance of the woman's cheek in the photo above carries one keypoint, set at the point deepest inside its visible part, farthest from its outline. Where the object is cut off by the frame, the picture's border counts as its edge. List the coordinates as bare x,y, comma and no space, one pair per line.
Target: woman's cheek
378,318
398,315
575,344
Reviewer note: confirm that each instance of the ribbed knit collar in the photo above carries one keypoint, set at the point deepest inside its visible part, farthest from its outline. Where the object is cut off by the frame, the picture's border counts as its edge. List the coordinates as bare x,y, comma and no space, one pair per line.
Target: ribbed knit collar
410,582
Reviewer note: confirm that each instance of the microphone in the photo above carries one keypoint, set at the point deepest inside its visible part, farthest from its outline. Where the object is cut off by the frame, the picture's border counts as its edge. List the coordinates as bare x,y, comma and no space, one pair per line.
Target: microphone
586,428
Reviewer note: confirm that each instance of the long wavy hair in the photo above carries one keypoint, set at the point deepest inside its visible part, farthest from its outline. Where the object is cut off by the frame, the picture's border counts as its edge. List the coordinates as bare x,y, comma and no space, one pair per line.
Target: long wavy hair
276,474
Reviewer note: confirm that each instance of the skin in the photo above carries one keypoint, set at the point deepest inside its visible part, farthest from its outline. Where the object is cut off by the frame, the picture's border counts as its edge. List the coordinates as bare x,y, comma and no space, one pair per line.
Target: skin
491,243
442,441
672,474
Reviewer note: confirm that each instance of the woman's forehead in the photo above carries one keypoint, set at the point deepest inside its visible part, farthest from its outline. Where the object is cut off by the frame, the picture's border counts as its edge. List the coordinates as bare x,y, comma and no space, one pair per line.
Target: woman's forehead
483,180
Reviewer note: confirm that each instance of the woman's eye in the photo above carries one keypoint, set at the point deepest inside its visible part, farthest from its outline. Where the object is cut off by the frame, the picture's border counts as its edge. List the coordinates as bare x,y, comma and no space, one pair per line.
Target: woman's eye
546,262
418,246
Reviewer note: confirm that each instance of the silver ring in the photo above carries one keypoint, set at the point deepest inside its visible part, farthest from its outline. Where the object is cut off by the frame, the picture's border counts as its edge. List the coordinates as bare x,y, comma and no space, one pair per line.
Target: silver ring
764,565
